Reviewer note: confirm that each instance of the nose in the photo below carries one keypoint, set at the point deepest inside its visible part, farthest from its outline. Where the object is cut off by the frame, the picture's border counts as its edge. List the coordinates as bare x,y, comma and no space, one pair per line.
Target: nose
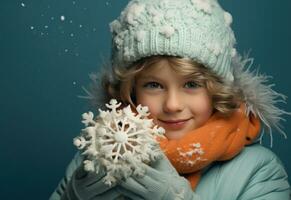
173,102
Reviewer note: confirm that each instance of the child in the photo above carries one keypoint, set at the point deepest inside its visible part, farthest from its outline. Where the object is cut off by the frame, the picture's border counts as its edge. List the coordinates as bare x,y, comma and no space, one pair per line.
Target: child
178,58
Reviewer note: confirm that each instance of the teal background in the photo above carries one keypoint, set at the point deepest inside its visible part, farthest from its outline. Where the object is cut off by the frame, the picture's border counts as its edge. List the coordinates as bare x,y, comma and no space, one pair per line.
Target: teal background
42,70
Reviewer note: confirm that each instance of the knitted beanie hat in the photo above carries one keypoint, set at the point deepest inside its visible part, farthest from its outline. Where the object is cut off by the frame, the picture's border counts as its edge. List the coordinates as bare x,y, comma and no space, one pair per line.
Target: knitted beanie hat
195,29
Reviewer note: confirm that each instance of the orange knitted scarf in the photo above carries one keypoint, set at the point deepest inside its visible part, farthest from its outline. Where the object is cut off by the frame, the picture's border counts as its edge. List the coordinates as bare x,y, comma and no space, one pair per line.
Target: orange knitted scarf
219,139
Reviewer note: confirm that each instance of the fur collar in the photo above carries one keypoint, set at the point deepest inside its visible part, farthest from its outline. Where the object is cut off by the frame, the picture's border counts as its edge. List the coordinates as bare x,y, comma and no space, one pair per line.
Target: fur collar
259,96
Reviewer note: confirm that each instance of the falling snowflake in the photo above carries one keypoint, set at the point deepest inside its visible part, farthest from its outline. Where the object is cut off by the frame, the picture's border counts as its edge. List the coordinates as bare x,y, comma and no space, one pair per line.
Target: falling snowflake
62,18
118,140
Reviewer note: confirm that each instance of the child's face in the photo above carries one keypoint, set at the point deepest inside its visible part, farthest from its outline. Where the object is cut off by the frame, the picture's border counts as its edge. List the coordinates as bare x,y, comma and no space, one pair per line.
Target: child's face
175,101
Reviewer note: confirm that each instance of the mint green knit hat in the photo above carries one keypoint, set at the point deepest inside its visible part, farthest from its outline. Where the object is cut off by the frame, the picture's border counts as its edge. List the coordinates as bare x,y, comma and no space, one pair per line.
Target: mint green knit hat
195,29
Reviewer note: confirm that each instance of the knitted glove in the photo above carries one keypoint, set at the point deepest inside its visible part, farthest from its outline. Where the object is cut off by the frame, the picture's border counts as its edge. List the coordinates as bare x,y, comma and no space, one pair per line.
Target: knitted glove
160,182
88,185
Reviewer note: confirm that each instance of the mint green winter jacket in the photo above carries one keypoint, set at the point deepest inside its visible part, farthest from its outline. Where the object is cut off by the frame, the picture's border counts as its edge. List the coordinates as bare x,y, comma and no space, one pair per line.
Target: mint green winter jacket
255,174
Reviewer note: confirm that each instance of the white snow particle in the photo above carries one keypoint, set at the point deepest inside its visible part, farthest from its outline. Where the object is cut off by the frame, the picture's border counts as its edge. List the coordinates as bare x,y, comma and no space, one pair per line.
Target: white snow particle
46,26
80,25
72,34
66,50
62,18
74,82
22,4
31,28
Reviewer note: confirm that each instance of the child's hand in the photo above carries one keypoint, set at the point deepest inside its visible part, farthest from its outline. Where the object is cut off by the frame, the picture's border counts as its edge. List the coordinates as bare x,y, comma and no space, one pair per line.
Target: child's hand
88,185
160,182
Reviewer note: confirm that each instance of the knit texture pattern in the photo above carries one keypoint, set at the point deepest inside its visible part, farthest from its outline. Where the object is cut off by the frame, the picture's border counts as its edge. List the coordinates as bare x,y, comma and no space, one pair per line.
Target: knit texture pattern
195,29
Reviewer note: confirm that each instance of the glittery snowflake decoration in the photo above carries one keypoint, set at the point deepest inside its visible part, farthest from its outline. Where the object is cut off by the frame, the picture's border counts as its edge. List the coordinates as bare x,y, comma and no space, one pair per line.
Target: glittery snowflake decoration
118,140
194,150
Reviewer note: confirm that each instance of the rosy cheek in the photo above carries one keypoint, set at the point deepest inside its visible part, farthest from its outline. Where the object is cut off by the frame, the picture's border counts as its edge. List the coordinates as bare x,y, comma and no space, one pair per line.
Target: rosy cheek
152,107
204,110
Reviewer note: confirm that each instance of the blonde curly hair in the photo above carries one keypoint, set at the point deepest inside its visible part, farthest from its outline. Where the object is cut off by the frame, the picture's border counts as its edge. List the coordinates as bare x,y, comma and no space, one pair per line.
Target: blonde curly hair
121,86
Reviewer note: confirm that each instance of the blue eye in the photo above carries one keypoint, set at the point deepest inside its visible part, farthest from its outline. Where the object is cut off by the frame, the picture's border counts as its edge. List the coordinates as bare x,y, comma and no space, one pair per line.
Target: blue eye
191,85
152,85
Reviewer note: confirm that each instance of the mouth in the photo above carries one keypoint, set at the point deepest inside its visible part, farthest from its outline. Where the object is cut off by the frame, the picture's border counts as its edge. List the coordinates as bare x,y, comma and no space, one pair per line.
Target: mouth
174,124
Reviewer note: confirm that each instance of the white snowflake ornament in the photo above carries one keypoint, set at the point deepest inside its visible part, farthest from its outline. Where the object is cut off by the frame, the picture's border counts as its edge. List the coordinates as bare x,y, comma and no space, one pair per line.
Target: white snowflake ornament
119,140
